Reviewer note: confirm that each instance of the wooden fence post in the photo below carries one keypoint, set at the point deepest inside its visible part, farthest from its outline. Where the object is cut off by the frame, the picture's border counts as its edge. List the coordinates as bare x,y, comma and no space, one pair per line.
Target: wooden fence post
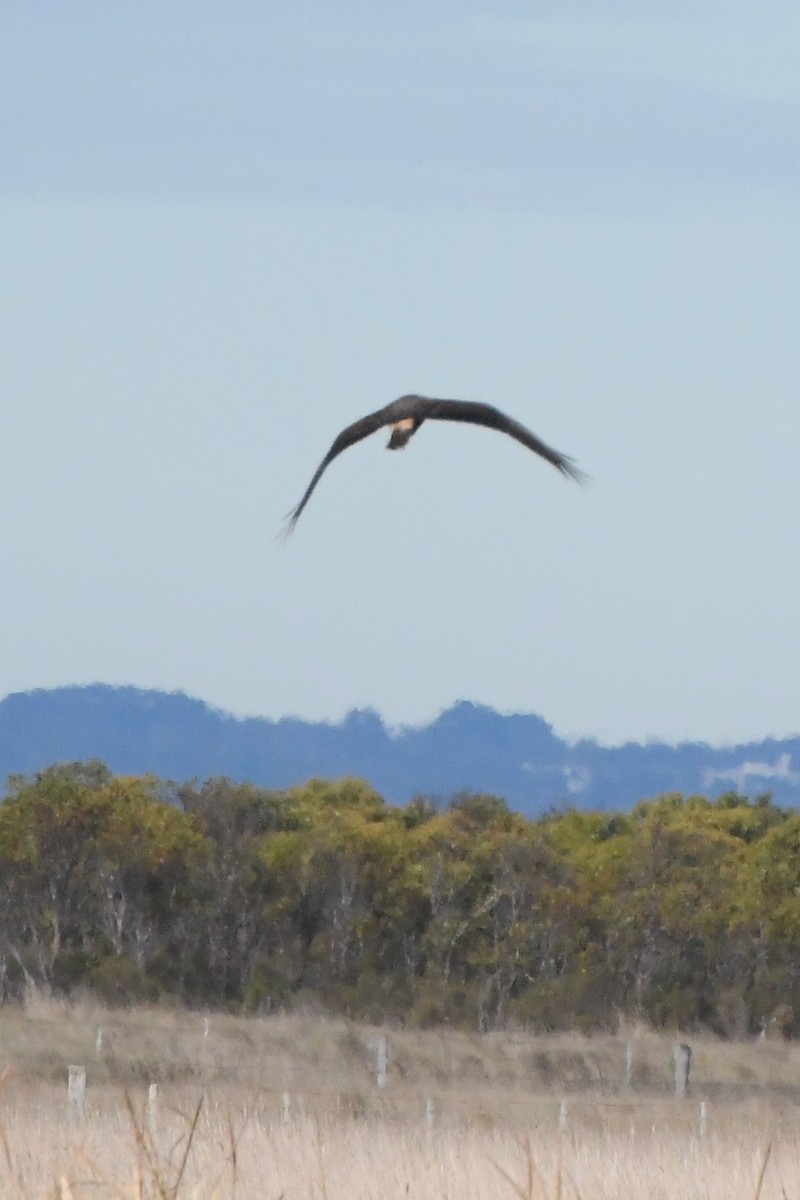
703,1118
682,1057
152,1111
382,1076
76,1093
628,1064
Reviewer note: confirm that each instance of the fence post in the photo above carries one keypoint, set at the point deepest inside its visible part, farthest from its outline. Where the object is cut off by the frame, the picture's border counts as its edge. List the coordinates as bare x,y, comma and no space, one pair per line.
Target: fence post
286,1108
563,1117
76,1093
152,1111
703,1118
382,1062
682,1057
628,1064
204,1043
98,1040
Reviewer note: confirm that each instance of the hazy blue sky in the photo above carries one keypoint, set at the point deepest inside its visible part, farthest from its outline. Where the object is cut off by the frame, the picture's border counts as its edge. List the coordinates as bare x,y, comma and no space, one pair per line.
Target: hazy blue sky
228,230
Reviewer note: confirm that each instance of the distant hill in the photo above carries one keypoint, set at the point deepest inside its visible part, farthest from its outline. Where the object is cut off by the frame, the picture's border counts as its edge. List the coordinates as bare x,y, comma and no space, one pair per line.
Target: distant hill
467,747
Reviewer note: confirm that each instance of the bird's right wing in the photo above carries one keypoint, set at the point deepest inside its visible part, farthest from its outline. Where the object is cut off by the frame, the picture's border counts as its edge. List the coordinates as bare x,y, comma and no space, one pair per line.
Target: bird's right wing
348,437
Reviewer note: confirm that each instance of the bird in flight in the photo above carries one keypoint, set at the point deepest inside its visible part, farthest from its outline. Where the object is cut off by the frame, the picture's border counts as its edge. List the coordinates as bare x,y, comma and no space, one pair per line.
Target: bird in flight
405,417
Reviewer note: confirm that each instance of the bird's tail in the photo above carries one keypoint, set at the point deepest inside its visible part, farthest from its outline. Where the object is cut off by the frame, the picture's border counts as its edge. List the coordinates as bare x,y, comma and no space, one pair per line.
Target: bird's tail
401,432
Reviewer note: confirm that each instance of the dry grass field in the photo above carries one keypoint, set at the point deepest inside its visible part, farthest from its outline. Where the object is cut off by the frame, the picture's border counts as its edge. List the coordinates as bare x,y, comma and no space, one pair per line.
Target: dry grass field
288,1107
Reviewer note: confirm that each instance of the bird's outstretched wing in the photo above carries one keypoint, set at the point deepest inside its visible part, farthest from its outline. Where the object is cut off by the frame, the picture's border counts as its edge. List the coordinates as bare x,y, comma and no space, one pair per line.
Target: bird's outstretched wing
475,413
348,437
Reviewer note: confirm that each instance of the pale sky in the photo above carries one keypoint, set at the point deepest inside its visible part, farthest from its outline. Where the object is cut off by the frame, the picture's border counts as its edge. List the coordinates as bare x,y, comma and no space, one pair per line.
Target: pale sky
228,231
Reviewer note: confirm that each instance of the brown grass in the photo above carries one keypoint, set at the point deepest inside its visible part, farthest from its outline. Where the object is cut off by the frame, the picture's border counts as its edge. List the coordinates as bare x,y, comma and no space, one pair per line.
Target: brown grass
232,1149
304,1052
222,1134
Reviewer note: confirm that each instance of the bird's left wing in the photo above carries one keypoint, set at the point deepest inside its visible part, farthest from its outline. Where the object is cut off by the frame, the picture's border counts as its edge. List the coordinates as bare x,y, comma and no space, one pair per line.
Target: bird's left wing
348,437
475,413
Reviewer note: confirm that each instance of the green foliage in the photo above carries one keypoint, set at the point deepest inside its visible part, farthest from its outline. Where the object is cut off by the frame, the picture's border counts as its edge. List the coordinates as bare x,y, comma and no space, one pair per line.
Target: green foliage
684,912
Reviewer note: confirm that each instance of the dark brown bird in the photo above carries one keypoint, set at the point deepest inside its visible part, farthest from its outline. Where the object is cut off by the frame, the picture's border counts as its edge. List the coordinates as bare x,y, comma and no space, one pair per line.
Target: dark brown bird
405,417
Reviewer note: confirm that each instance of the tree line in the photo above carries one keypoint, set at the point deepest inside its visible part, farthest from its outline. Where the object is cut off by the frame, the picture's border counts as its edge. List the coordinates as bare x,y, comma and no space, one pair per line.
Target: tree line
684,912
